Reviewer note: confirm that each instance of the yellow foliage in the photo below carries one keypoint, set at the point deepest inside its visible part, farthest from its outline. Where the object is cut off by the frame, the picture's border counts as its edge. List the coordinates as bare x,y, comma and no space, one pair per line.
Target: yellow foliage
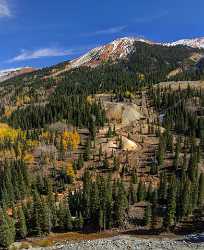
69,169
28,158
75,138
90,99
128,94
46,135
70,138
141,77
8,132
31,144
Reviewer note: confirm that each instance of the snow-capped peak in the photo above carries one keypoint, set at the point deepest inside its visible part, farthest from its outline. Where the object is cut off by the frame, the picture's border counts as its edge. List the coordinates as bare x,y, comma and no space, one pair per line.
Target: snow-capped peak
194,42
117,49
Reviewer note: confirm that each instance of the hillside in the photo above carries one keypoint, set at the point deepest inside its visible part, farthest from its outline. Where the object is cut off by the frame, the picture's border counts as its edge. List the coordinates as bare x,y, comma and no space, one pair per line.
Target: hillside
124,62
105,142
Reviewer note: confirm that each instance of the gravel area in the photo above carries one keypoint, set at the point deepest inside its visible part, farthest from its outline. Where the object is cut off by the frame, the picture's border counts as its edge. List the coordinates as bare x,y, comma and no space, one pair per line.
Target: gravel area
131,242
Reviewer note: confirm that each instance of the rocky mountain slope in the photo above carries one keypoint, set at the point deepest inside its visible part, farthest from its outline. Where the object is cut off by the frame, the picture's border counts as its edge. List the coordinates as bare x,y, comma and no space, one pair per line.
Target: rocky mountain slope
123,49
112,52
117,49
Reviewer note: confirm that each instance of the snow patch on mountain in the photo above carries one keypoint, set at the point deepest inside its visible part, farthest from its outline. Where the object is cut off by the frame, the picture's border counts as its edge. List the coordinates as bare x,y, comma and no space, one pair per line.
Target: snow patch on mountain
194,43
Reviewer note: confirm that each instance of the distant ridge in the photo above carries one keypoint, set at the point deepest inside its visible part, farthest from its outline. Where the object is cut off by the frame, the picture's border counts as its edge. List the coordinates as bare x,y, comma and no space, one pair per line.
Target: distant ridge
10,73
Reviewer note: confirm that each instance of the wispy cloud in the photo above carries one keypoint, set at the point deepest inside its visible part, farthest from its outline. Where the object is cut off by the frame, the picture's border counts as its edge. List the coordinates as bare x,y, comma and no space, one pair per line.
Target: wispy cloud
25,55
151,18
4,9
108,31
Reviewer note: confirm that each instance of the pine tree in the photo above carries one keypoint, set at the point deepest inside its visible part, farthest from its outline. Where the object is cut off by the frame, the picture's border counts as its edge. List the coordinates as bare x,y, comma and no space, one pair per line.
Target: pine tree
120,143
87,150
46,218
92,128
51,205
7,230
81,221
141,192
185,198
108,204
171,204
121,205
150,192
163,189
62,216
154,221
36,215
95,202
80,162
68,220
110,132
114,131
22,227
86,200
101,219
100,153
132,194
27,211
134,178
148,215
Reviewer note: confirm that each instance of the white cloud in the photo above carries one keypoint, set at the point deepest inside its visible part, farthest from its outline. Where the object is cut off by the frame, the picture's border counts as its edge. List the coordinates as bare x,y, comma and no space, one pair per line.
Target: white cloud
111,30
45,52
4,9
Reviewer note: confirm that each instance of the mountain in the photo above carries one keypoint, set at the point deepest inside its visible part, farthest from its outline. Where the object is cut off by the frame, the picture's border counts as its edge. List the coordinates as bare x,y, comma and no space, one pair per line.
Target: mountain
11,73
123,49
103,126
194,43
117,49
112,52
156,61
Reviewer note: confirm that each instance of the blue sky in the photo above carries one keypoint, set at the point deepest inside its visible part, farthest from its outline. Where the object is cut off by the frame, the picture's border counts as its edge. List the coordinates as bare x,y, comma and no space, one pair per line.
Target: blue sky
44,32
